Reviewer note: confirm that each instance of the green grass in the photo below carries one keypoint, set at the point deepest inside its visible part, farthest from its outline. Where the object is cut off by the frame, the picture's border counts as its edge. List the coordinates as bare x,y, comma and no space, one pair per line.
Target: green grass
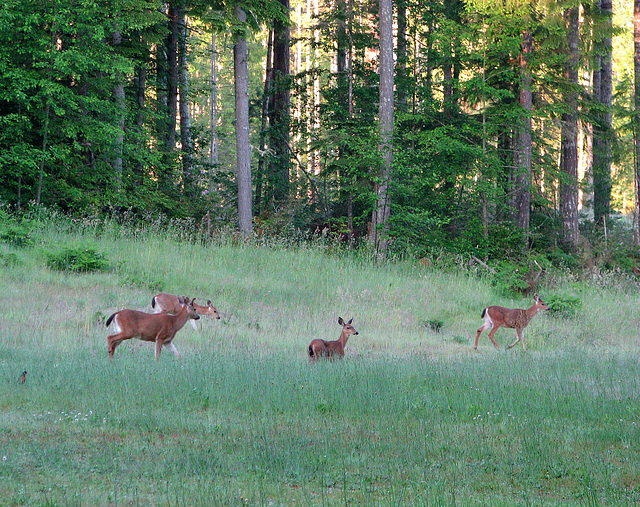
412,416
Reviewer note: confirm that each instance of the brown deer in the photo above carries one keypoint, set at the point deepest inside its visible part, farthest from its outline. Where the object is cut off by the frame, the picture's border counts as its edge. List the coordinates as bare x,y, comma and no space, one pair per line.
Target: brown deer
496,317
321,348
160,328
169,303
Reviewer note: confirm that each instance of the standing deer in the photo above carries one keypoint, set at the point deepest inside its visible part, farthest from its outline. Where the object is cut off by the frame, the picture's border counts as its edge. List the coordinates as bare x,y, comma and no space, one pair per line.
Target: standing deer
319,348
496,317
160,328
169,303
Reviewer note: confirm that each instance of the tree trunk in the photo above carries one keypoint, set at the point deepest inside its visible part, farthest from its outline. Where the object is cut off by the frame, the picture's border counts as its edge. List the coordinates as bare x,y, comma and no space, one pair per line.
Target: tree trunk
602,131
45,137
119,99
188,176
280,111
381,217
636,117
569,136
243,149
401,64
523,140
264,124
141,84
172,79
214,158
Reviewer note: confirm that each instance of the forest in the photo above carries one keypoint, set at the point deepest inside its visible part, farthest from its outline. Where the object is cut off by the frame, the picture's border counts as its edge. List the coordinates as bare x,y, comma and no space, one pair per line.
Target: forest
480,127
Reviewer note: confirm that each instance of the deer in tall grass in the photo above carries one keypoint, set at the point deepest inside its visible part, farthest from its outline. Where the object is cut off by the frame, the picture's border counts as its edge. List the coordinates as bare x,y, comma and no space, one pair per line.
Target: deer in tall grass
321,348
169,303
496,317
160,328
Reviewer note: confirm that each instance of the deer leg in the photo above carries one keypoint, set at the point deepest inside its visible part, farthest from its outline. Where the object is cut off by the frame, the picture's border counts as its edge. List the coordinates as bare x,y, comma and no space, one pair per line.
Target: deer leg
484,326
520,337
170,346
159,344
113,341
491,334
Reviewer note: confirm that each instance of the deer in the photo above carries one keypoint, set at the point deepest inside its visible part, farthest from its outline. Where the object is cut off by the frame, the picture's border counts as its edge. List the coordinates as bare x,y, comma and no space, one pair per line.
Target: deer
496,317
321,348
169,303
160,328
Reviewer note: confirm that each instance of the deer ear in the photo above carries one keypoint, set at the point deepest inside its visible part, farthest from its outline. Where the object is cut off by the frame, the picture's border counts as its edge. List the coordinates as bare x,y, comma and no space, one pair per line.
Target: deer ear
340,321
350,321
209,302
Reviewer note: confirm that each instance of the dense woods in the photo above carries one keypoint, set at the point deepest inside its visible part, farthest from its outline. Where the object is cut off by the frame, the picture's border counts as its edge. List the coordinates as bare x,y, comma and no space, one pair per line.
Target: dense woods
484,127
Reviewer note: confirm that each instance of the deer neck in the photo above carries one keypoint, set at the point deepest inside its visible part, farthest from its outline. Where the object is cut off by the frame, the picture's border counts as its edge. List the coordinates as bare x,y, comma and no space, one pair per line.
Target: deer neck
531,312
343,338
181,318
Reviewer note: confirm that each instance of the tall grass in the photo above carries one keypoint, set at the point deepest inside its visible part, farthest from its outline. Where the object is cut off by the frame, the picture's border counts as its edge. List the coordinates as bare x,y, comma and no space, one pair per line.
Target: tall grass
412,416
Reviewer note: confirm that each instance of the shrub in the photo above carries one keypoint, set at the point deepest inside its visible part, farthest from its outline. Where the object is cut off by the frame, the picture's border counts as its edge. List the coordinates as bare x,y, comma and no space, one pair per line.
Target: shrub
566,306
14,231
78,259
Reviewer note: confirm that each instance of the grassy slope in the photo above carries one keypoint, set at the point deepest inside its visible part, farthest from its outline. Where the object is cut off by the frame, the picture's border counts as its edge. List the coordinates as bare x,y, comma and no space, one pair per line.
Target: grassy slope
412,416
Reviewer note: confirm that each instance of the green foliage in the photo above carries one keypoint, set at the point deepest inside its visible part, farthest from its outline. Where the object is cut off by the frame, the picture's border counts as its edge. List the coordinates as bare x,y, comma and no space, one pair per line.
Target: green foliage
14,231
77,258
434,325
564,305
9,259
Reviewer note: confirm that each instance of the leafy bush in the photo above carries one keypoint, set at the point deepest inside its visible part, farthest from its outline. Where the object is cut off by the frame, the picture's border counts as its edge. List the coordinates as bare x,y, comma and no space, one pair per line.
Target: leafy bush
14,232
566,306
78,259
434,325
9,259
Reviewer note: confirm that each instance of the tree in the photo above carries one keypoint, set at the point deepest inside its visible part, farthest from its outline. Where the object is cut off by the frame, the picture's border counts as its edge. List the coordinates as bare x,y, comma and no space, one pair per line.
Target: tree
522,194
636,116
243,147
379,229
280,109
186,141
569,135
602,129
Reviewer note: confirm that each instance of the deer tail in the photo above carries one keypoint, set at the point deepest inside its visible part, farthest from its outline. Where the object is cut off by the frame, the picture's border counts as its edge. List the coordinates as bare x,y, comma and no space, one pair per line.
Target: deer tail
153,302
484,312
110,319
310,351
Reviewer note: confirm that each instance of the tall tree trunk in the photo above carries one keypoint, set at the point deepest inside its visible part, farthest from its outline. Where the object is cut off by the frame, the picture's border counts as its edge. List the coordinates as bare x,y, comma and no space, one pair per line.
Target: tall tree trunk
401,64
45,137
602,131
569,136
141,85
636,117
264,124
119,99
243,151
185,114
280,113
382,211
172,79
523,139
342,44
214,157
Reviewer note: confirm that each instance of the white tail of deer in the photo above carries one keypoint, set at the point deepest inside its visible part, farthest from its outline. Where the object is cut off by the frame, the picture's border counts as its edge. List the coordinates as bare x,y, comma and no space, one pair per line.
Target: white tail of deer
321,348
496,317
169,303
160,328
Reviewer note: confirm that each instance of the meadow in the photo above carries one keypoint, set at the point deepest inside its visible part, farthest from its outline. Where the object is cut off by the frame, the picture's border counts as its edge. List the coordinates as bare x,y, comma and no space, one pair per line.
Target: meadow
411,416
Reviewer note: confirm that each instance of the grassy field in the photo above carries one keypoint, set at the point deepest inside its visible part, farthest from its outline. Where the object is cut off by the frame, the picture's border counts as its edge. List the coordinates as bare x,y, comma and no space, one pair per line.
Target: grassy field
412,416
